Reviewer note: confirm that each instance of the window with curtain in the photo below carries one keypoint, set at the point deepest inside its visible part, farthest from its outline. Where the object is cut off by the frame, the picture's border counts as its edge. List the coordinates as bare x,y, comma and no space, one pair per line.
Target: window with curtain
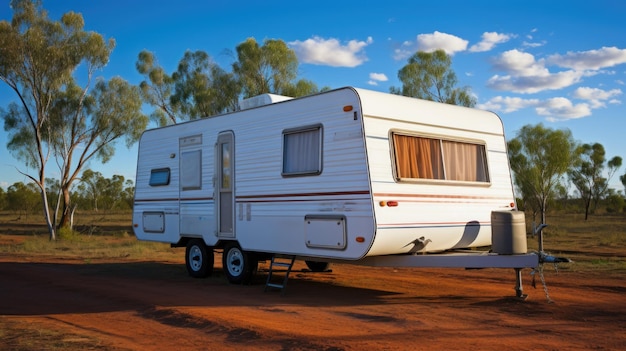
419,157
302,151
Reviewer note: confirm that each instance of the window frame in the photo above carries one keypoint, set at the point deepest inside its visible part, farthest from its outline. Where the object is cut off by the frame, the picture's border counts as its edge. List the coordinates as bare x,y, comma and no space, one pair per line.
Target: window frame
191,169
320,150
158,171
481,144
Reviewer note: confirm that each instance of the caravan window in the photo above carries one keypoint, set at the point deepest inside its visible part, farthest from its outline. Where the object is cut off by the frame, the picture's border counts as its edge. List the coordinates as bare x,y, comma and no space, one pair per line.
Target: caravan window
418,157
191,170
302,151
160,176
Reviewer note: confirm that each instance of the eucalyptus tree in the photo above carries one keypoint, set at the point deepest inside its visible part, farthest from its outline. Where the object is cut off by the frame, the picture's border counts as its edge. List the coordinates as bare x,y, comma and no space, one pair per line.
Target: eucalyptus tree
202,88
56,118
198,88
157,89
587,175
269,68
539,158
429,76
97,192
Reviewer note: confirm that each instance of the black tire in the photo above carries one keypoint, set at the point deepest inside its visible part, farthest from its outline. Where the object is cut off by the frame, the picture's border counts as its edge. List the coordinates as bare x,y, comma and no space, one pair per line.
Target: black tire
199,259
239,266
316,266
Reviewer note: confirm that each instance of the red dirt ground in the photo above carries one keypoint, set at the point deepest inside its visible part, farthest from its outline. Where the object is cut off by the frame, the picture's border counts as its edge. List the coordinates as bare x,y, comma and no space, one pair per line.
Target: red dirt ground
139,305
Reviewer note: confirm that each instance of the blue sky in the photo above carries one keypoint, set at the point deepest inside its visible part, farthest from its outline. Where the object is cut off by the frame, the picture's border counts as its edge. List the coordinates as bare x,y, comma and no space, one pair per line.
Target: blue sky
560,63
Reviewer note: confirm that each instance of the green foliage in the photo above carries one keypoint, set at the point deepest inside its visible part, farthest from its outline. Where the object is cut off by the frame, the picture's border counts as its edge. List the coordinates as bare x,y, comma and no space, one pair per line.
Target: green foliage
429,76
157,89
56,117
3,199
23,198
202,88
539,157
615,203
95,192
269,68
587,174
68,235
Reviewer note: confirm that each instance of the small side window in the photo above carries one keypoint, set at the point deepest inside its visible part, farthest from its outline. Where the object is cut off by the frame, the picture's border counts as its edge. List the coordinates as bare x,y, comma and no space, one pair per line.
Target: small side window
302,151
159,177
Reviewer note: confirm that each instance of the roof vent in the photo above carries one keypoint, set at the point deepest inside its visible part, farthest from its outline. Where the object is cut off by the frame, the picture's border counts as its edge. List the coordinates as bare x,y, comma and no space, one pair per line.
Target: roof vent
261,100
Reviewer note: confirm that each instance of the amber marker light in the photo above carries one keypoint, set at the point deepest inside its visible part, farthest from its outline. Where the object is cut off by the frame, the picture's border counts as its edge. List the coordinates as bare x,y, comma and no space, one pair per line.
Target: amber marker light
360,239
347,108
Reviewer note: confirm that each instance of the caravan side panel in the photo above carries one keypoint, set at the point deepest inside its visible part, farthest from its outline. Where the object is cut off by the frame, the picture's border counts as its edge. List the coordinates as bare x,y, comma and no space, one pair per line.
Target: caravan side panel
433,214
315,215
174,172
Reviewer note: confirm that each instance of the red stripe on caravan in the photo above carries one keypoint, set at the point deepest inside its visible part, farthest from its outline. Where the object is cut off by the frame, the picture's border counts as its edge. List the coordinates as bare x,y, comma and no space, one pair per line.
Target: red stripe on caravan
434,196
332,193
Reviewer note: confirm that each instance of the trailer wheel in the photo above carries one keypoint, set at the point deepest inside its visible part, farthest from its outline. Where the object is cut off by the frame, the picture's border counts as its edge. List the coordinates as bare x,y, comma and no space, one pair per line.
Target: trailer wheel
239,266
316,266
199,259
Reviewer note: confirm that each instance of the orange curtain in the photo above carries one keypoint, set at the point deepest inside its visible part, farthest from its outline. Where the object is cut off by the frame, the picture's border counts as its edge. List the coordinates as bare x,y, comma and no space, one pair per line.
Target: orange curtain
418,157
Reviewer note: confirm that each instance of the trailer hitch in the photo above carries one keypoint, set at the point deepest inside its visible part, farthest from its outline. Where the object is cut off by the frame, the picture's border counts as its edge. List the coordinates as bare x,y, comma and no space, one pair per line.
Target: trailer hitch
544,257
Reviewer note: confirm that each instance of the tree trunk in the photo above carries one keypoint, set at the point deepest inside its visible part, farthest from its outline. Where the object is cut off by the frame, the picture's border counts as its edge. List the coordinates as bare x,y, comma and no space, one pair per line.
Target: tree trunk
67,209
46,214
587,205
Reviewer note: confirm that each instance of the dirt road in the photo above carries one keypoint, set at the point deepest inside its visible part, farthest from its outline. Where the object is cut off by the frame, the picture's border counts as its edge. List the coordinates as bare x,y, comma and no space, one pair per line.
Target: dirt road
71,304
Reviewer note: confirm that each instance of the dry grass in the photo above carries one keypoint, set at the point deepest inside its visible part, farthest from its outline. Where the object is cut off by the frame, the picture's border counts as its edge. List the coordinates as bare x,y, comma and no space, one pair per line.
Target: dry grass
96,236
598,244
23,336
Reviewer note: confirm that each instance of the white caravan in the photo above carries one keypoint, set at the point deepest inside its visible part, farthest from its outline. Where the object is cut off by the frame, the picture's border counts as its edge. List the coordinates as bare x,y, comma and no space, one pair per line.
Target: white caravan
346,175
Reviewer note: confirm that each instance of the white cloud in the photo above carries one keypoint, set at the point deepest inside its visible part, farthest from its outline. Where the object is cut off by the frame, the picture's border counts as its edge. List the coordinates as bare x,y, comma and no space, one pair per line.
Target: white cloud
527,75
595,93
437,40
331,52
533,45
597,97
381,77
561,109
377,77
554,109
534,84
508,104
519,63
590,60
405,51
429,43
489,41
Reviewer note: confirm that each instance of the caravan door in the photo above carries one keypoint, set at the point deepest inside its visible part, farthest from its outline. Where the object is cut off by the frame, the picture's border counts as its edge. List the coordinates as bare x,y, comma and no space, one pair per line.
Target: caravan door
225,182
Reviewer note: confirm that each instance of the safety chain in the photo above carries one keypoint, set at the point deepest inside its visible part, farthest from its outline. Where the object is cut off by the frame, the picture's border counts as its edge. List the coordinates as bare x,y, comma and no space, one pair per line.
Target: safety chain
543,280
